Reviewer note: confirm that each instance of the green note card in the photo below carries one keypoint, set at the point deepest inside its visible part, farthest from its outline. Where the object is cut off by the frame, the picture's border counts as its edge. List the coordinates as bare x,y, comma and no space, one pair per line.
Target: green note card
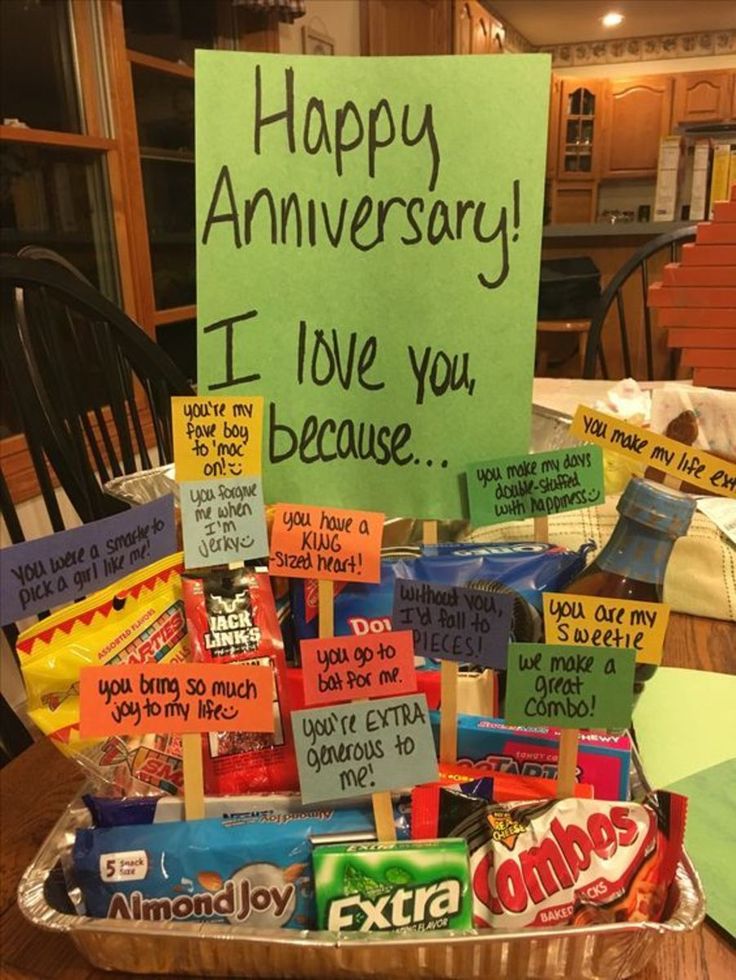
569,687
535,484
671,750
710,837
368,260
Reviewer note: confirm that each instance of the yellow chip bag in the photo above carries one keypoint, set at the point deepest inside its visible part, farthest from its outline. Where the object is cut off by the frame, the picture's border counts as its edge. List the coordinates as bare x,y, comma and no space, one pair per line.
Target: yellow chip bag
139,619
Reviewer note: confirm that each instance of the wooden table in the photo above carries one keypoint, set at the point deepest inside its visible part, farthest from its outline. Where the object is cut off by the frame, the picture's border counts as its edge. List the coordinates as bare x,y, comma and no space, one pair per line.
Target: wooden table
36,787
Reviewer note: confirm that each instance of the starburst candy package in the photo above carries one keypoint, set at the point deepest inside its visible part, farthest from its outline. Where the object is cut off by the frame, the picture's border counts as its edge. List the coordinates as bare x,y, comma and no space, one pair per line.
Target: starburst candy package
139,619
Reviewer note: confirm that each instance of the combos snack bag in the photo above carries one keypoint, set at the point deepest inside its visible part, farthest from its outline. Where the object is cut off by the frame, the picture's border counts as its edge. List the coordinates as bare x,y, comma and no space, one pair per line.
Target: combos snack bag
253,872
571,861
139,619
231,617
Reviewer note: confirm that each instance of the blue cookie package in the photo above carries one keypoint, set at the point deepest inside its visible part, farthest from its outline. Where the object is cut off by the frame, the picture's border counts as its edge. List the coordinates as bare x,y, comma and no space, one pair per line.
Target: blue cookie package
246,872
525,569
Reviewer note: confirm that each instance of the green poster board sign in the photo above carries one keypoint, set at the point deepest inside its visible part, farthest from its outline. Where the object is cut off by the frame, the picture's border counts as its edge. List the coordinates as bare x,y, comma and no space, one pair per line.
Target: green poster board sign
368,257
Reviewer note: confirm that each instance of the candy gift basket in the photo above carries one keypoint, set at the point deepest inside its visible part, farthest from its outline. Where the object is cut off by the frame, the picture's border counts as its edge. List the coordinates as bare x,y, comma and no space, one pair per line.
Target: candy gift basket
319,738
595,952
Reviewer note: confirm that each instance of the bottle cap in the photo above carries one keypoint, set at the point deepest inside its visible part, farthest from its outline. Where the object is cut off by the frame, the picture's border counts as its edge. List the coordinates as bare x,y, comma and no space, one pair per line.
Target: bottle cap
664,510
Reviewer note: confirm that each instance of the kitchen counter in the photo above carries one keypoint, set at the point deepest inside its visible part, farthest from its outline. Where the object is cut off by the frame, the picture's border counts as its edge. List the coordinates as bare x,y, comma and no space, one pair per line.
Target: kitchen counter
601,229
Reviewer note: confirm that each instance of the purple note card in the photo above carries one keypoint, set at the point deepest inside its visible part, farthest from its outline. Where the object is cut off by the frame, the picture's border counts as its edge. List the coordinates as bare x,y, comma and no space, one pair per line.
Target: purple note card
449,622
68,565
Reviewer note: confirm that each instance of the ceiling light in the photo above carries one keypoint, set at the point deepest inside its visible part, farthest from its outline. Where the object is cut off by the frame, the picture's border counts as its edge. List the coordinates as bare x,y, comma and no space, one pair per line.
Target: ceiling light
612,19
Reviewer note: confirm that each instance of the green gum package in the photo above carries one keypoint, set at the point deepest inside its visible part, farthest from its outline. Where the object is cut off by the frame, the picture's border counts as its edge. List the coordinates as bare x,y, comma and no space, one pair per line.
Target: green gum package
409,886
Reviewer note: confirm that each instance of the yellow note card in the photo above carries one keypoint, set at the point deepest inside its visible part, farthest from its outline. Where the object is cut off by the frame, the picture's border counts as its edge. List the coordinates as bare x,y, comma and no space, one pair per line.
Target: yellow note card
595,621
689,463
217,438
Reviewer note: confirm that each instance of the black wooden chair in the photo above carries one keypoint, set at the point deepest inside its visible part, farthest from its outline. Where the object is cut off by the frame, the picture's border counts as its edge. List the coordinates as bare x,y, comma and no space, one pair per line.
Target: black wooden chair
612,296
90,392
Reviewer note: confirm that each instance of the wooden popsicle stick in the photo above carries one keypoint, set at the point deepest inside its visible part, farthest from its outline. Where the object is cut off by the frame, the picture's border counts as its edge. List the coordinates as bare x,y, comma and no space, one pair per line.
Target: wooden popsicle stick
326,607
490,682
448,681
541,528
191,750
567,763
383,810
448,711
383,816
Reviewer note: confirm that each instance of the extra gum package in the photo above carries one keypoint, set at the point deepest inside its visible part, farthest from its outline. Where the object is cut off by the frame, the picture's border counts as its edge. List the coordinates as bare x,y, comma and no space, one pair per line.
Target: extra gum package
139,619
604,761
231,616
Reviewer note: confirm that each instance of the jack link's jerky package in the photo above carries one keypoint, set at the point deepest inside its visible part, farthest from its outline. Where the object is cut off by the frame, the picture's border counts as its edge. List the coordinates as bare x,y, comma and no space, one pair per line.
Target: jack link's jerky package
252,872
525,569
420,886
571,861
138,620
231,617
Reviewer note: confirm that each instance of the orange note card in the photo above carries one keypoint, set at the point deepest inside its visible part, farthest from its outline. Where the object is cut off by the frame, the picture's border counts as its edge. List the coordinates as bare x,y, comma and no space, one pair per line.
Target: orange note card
217,438
176,698
343,668
326,543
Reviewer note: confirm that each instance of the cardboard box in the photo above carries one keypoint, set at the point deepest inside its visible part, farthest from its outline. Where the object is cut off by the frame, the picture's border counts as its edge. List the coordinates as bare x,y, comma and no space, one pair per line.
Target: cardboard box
699,189
715,377
603,760
669,175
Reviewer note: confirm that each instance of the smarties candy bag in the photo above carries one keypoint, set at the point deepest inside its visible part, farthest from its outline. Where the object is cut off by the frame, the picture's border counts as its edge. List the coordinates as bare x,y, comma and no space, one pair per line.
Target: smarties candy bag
252,871
139,619
524,569
557,862
232,618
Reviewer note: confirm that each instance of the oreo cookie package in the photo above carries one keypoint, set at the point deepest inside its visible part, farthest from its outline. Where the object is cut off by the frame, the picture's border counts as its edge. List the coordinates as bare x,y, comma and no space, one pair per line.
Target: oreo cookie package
524,569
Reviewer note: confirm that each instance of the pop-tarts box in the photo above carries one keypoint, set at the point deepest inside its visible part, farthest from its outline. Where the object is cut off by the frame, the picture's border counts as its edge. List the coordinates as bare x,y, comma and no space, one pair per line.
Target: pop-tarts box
603,760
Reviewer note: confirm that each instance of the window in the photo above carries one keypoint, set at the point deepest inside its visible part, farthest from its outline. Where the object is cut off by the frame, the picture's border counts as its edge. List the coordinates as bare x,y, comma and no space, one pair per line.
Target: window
164,106
59,198
60,174
38,81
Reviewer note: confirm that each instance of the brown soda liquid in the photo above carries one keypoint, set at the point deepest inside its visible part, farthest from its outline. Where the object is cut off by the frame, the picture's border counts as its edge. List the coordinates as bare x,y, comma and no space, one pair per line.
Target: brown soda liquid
596,581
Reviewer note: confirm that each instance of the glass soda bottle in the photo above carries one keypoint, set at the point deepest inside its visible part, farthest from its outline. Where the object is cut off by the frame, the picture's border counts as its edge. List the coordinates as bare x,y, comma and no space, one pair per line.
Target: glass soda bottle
633,562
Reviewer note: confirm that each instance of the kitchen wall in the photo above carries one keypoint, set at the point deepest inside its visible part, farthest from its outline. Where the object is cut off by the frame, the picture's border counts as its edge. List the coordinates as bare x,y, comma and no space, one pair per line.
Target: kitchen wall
339,19
629,69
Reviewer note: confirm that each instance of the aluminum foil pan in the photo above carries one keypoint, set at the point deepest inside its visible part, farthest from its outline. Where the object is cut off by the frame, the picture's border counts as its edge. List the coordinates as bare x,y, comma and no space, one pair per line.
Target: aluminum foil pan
599,952
144,486
550,430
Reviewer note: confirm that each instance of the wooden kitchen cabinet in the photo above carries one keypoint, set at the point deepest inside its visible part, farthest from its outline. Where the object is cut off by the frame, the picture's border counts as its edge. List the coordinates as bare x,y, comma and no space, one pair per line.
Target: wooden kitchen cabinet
580,128
553,126
637,114
473,29
702,97
573,202
732,112
392,27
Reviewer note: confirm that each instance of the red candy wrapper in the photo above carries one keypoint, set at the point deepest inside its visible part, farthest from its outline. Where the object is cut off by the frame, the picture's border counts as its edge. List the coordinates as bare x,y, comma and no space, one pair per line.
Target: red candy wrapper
562,862
231,618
